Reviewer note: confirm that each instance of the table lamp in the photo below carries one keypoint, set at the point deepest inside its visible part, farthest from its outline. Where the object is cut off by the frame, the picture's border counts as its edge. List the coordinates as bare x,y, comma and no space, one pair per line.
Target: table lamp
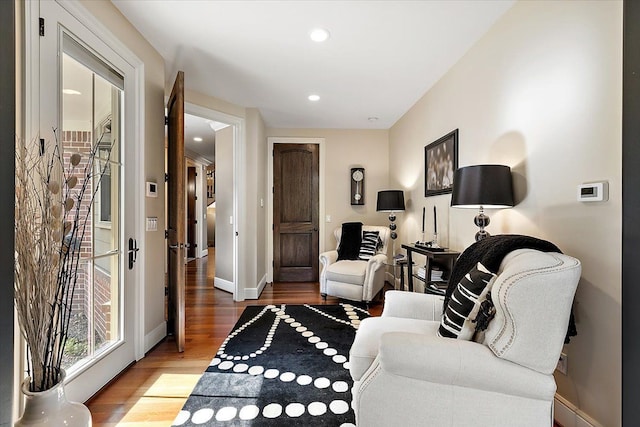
482,186
391,201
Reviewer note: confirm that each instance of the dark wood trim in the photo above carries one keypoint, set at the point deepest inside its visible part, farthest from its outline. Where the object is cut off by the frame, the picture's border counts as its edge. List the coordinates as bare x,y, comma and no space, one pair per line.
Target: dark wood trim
7,191
296,262
176,213
630,211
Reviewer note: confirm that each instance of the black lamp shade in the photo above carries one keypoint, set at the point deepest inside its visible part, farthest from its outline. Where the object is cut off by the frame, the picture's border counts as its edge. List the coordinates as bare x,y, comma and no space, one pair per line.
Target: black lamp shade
487,186
390,200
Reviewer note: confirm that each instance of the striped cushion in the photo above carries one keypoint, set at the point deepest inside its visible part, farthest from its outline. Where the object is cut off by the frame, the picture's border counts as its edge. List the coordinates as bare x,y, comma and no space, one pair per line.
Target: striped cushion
369,244
457,321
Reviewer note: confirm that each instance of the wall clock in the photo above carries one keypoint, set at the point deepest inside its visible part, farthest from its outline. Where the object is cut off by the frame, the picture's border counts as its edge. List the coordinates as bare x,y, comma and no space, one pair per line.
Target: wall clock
357,186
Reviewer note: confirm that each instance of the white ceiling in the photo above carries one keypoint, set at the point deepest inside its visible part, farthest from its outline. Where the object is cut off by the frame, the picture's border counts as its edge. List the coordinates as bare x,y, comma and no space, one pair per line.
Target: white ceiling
381,57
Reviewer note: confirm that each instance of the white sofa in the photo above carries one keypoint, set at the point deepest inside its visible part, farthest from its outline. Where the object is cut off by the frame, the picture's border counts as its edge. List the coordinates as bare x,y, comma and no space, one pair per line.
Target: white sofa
355,280
406,375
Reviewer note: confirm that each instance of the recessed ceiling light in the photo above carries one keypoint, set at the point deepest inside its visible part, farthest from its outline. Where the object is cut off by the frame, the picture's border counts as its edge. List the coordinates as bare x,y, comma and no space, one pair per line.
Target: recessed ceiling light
197,139
70,92
319,35
372,119
314,98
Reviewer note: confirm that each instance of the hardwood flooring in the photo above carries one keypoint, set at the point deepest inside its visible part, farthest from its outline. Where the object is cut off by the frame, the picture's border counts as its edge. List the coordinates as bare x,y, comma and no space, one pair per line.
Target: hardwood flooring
152,391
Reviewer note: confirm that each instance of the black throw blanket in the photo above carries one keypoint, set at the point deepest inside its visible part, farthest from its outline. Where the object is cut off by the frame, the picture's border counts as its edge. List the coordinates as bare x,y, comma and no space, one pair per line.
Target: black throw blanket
490,252
350,241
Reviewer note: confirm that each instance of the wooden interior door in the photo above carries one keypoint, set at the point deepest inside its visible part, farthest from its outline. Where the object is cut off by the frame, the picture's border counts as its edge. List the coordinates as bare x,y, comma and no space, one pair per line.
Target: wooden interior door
191,212
295,212
176,216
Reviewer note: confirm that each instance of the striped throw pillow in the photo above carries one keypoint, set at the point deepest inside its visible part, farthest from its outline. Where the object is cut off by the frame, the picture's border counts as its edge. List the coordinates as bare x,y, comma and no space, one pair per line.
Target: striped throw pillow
457,321
369,244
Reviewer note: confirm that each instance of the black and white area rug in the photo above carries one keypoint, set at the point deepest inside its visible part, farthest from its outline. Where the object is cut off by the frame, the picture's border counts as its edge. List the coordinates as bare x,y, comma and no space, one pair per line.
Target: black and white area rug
284,365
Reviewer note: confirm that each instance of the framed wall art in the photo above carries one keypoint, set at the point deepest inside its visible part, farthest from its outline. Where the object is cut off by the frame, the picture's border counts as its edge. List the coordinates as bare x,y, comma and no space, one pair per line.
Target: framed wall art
440,162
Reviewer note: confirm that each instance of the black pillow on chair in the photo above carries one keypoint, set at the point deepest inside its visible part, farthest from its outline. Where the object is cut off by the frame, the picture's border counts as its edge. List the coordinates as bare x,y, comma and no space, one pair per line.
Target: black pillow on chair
465,303
350,240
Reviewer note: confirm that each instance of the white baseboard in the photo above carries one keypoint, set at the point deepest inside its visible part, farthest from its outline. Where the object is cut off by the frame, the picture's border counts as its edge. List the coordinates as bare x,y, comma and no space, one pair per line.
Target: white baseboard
390,278
568,415
223,285
155,336
254,293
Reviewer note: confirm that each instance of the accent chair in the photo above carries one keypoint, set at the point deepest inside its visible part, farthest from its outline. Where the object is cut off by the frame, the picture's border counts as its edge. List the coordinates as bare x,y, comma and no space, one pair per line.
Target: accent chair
355,279
406,374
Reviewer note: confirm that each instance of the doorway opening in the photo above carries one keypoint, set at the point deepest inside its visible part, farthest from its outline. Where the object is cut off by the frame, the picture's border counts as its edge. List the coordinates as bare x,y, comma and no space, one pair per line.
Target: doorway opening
209,147
212,142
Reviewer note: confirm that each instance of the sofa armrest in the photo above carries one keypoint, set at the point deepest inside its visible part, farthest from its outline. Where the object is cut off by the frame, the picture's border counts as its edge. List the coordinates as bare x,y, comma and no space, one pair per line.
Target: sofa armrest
376,261
374,276
329,257
410,305
459,363
374,264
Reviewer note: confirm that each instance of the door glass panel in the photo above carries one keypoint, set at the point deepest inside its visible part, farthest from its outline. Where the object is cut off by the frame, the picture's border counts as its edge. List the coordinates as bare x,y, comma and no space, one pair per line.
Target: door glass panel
92,121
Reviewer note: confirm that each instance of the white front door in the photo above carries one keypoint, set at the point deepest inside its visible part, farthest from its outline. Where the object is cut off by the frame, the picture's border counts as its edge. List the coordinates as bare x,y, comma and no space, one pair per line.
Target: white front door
86,94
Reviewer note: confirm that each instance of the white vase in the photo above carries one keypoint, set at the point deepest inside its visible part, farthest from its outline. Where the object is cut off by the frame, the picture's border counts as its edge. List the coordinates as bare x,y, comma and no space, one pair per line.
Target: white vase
51,408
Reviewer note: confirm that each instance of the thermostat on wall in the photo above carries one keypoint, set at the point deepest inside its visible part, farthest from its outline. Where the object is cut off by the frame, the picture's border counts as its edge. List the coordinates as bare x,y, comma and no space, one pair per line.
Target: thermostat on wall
593,192
152,189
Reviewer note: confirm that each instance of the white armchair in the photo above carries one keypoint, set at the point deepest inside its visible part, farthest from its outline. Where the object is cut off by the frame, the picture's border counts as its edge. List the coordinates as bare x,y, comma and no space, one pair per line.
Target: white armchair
405,374
355,280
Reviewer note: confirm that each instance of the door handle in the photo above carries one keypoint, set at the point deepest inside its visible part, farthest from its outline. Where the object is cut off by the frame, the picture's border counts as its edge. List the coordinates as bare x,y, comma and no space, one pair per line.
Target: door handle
180,246
133,252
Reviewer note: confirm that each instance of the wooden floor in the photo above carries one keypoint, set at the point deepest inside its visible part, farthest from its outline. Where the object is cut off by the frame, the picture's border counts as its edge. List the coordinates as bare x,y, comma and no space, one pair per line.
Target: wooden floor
152,391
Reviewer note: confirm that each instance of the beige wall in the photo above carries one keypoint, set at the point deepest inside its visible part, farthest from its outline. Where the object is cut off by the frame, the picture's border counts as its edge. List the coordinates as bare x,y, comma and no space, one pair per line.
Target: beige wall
541,92
224,204
256,171
153,241
210,102
344,149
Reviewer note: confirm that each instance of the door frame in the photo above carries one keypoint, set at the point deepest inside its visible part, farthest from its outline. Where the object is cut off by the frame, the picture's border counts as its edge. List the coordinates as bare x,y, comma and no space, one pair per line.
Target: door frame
239,185
271,141
97,31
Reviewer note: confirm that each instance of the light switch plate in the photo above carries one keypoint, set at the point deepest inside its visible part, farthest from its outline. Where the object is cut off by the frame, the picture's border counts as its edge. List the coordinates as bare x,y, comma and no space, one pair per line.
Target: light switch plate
152,223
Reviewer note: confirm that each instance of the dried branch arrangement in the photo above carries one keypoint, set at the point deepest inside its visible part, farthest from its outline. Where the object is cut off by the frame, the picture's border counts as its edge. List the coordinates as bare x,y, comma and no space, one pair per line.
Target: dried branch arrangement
49,229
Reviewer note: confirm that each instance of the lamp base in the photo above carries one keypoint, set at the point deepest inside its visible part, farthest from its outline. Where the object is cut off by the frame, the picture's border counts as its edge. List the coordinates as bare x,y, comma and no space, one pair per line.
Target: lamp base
392,225
482,234
481,220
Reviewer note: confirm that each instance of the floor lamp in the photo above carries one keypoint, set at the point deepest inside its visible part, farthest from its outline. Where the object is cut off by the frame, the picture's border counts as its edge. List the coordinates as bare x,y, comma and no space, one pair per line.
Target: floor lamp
482,186
391,201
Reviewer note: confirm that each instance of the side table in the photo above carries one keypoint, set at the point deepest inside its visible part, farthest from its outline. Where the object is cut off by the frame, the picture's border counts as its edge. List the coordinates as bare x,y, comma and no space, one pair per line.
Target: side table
443,257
